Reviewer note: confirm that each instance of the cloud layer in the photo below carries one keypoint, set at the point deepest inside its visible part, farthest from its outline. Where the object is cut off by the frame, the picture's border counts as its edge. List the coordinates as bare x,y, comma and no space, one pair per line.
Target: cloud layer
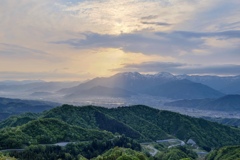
180,68
106,36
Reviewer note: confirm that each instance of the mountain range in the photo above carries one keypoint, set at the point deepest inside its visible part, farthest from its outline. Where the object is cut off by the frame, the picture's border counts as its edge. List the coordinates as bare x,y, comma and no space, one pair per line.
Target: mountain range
10,107
128,84
30,87
225,103
125,85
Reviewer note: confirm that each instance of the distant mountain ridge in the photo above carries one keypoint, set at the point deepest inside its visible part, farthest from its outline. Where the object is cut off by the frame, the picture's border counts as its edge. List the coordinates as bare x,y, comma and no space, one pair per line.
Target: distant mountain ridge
225,103
162,84
10,106
227,85
33,86
124,85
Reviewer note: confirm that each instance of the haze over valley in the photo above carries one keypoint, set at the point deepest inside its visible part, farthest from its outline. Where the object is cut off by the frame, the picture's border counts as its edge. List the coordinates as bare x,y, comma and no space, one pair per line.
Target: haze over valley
188,94
119,80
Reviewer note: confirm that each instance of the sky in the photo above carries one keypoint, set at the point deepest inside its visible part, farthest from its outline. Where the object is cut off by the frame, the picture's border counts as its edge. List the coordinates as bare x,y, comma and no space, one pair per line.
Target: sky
69,40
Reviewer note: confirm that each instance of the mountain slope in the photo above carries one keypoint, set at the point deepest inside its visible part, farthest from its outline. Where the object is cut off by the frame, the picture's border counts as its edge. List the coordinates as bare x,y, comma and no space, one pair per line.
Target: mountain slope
33,86
139,122
183,89
227,85
122,153
225,153
131,81
19,120
46,131
226,121
127,84
225,103
144,123
97,118
229,102
10,107
180,126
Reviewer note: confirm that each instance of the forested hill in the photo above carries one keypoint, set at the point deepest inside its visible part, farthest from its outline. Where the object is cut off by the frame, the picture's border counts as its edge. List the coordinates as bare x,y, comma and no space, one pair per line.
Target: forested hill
9,107
225,153
139,122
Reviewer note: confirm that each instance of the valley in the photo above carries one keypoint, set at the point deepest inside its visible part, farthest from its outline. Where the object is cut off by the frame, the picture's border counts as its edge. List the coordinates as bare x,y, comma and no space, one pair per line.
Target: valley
160,91
102,117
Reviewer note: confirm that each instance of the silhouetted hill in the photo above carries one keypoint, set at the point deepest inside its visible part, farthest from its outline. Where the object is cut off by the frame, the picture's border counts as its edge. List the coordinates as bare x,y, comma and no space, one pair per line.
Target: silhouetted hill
130,81
183,89
229,102
227,85
18,120
235,122
34,86
127,84
17,106
225,103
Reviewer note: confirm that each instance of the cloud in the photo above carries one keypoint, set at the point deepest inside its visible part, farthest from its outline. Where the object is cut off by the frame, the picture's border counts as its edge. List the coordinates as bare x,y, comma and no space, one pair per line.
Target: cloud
150,17
212,16
19,52
85,31
162,43
59,76
157,23
224,34
226,69
149,67
181,68
135,42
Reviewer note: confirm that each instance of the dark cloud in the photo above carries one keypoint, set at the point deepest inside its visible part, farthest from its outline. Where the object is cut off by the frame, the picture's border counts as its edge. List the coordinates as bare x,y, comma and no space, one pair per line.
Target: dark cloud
157,23
234,25
225,34
228,69
162,43
150,17
181,68
136,42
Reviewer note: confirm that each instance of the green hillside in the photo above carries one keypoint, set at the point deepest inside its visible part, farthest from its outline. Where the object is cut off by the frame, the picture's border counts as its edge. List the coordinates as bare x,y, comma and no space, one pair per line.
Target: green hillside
9,107
76,151
18,120
225,153
47,131
177,153
139,122
122,154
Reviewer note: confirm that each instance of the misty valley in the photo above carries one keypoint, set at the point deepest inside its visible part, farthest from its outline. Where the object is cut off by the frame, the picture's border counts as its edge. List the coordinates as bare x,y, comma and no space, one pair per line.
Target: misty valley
119,80
124,116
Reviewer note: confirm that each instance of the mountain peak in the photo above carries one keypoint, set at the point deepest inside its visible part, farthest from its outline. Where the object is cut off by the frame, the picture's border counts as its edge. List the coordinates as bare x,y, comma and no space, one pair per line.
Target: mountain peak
132,75
165,75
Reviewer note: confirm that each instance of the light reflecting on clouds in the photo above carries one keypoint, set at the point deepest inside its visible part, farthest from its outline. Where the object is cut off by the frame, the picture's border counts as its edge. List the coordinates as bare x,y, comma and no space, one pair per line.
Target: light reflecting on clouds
100,36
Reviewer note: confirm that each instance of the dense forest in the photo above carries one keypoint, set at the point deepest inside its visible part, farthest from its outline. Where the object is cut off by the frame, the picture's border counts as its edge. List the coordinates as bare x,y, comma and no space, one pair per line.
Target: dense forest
10,107
97,132
225,153
87,149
